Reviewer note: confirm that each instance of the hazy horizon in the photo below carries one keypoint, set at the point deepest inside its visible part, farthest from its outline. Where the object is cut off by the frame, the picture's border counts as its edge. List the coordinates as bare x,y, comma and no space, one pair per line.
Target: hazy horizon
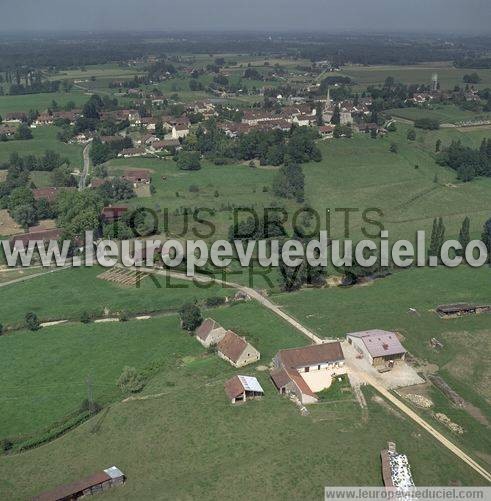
356,16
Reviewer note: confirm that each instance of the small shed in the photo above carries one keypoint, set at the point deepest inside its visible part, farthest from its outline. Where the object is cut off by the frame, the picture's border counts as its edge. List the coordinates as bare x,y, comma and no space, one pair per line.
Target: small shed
98,482
240,388
461,309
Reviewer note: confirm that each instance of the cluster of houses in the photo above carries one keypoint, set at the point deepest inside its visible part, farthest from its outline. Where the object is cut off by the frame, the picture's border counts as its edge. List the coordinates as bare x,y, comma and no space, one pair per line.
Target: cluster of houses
302,372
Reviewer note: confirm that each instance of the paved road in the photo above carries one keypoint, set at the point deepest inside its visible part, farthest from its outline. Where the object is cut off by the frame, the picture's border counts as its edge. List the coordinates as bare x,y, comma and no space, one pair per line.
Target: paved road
85,170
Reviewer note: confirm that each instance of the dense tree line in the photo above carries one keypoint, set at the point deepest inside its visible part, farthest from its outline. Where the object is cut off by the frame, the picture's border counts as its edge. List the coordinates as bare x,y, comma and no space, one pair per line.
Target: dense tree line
102,152
467,162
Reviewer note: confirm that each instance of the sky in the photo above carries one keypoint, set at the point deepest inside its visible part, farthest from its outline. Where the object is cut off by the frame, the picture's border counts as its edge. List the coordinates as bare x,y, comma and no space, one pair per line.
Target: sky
429,16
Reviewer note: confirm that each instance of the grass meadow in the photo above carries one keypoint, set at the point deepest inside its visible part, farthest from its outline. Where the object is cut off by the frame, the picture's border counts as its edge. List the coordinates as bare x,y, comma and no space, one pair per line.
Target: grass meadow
44,138
409,187
444,113
189,432
68,293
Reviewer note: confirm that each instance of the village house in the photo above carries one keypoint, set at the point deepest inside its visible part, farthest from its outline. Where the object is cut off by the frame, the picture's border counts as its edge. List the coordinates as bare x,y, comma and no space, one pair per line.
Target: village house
16,117
166,145
234,129
236,350
326,131
132,152
308,370
150,123
205,108
70,116
304,120
35,235
241,388
381,348
113,213
43,119
179,131
8,130
137,176
254,117
50,193
96,182
210,333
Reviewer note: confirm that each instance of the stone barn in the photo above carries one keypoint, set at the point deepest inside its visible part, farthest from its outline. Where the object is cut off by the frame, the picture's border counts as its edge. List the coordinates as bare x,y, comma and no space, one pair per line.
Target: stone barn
210,333
381,348
236,350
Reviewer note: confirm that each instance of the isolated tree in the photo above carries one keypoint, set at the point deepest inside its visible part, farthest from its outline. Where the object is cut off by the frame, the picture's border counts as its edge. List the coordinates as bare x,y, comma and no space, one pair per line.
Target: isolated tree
290,182
24,215
394,148
464,233
85,317
23,132
438,145
190,316
336,116
437,237
130,381
1,329
32,321
188,160
411,135
486,236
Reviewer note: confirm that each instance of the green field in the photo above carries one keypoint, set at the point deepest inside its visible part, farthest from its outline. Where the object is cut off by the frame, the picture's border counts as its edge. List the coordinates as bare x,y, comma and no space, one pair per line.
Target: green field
448,76
444,113
64,356
191,434
44,138
358,173
40,102
47,296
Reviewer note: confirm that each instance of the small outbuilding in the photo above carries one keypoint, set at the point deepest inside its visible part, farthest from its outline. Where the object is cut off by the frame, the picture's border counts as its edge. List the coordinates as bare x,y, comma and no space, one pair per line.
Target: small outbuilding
461,309
96,483
241,388
236,350
210,333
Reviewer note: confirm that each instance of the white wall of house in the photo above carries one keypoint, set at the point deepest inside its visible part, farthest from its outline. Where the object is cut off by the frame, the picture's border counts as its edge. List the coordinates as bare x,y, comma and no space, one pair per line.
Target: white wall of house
214,337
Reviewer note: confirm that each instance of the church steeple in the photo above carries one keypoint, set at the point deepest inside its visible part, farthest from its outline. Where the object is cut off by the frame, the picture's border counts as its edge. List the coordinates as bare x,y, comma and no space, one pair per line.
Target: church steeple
328,100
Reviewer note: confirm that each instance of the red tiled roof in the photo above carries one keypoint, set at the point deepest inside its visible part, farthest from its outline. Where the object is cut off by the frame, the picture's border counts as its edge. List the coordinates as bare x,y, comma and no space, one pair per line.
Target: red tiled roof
280,378
67,490
206,327
311,355
232,346
234,387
